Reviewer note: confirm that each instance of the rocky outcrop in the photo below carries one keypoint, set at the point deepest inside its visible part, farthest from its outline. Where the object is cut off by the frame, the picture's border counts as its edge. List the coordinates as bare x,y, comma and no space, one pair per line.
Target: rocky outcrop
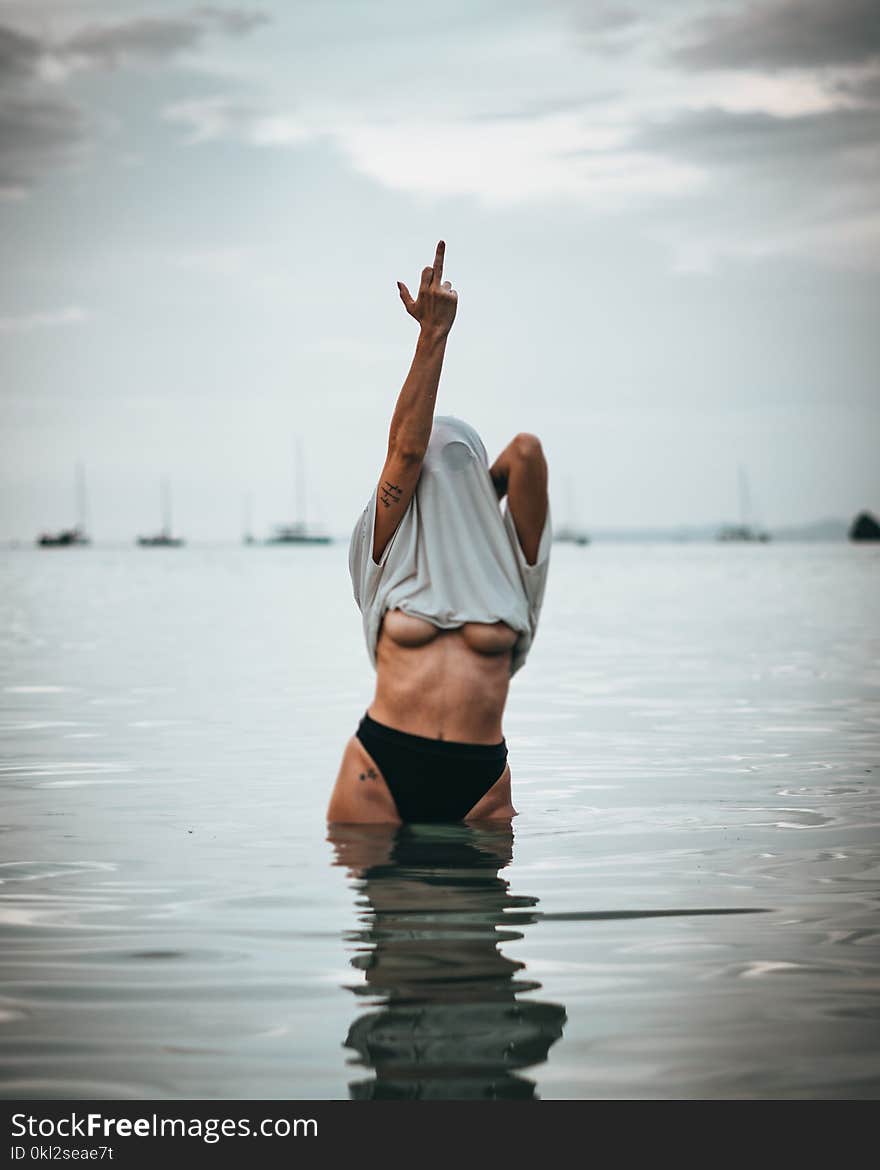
864,527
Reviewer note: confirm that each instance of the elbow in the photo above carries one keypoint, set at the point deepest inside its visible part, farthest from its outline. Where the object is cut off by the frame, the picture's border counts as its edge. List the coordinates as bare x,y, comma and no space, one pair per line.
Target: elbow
404,451
528,448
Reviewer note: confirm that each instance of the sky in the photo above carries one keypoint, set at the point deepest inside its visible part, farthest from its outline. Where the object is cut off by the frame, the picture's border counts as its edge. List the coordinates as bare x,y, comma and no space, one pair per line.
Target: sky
662,220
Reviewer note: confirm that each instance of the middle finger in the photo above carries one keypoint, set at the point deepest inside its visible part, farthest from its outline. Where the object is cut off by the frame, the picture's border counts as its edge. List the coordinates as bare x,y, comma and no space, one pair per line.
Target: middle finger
438,261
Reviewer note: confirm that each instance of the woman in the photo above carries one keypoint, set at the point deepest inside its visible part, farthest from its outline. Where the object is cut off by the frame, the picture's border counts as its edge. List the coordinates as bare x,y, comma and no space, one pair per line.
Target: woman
450,586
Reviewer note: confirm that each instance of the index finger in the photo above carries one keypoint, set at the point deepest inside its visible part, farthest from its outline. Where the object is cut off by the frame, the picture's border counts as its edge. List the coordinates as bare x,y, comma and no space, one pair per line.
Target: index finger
438,262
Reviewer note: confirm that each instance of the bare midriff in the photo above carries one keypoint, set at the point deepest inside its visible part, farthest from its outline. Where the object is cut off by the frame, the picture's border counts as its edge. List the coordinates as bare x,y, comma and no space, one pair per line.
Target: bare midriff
445,684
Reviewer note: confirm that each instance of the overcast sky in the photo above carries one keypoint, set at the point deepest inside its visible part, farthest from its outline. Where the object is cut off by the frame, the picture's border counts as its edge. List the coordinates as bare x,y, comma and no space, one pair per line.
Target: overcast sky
662,220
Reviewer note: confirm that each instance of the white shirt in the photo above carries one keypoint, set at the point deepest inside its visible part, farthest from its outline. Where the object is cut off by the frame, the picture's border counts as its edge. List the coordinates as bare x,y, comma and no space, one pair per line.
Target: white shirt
455,557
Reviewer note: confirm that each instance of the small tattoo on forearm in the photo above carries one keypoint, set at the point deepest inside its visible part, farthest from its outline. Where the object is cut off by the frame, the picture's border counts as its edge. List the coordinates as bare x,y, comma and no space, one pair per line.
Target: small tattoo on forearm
391,493
370,774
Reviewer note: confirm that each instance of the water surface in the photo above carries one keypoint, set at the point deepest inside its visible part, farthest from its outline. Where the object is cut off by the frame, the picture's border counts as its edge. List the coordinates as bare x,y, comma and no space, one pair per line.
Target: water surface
687,905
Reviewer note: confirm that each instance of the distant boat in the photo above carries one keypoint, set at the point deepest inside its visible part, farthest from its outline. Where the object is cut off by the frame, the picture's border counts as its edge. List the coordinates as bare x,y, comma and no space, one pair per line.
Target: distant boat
570,536
295,534
298,532
248,528
571,532
163,538
67,537
734,532
745,531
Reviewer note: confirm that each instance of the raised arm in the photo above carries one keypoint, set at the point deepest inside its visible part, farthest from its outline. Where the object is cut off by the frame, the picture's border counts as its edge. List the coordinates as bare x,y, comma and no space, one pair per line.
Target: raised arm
434,309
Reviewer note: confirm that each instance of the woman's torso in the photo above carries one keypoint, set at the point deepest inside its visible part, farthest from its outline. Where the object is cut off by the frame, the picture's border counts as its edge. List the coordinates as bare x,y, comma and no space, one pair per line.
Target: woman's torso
446,684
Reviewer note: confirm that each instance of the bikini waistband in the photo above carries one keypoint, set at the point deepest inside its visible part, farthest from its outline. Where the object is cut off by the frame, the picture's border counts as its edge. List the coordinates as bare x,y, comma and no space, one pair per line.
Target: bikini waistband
424,743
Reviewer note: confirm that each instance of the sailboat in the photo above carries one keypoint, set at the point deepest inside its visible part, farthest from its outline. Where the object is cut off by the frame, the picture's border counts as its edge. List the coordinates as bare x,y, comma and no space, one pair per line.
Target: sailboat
247,527
745,530
163,539
77,535
570,533
298,533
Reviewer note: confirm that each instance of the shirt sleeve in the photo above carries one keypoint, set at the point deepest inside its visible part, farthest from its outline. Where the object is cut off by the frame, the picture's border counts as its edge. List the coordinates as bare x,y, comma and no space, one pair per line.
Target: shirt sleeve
534,577
366,574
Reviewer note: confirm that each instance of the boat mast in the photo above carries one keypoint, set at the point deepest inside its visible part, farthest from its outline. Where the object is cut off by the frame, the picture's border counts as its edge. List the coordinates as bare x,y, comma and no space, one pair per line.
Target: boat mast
569,503
247,516
81,508
166,506
745,506
300,487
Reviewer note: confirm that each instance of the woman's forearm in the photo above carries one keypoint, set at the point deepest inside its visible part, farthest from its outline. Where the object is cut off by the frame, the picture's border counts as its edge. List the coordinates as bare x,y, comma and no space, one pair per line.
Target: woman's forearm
414,413
434,309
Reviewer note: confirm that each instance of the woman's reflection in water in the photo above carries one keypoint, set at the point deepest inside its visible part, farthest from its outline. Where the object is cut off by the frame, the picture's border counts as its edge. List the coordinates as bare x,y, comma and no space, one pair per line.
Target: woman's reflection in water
433,912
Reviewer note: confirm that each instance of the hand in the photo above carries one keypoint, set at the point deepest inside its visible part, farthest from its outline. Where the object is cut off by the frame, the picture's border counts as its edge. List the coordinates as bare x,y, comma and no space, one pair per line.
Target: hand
434,307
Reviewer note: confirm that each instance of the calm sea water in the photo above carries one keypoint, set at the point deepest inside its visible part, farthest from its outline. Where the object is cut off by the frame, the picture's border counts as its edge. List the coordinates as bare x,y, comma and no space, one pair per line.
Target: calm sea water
688,904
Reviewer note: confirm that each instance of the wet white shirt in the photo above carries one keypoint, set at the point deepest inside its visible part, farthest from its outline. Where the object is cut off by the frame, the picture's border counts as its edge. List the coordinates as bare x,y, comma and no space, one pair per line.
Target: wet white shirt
455,557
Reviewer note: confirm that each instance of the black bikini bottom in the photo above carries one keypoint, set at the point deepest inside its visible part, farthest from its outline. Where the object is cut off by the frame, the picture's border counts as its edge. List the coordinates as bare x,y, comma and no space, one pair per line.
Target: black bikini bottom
432,779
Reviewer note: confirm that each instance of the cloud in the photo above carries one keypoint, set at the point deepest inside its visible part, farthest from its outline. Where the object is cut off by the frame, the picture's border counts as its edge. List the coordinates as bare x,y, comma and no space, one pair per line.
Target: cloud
36,133
508,162
19,54
237,22
38,130
211,119
141,40
864,89
804,185
719,136
146,39
785,34
499,161
604,16
152,39
519,119
72,315
729,162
